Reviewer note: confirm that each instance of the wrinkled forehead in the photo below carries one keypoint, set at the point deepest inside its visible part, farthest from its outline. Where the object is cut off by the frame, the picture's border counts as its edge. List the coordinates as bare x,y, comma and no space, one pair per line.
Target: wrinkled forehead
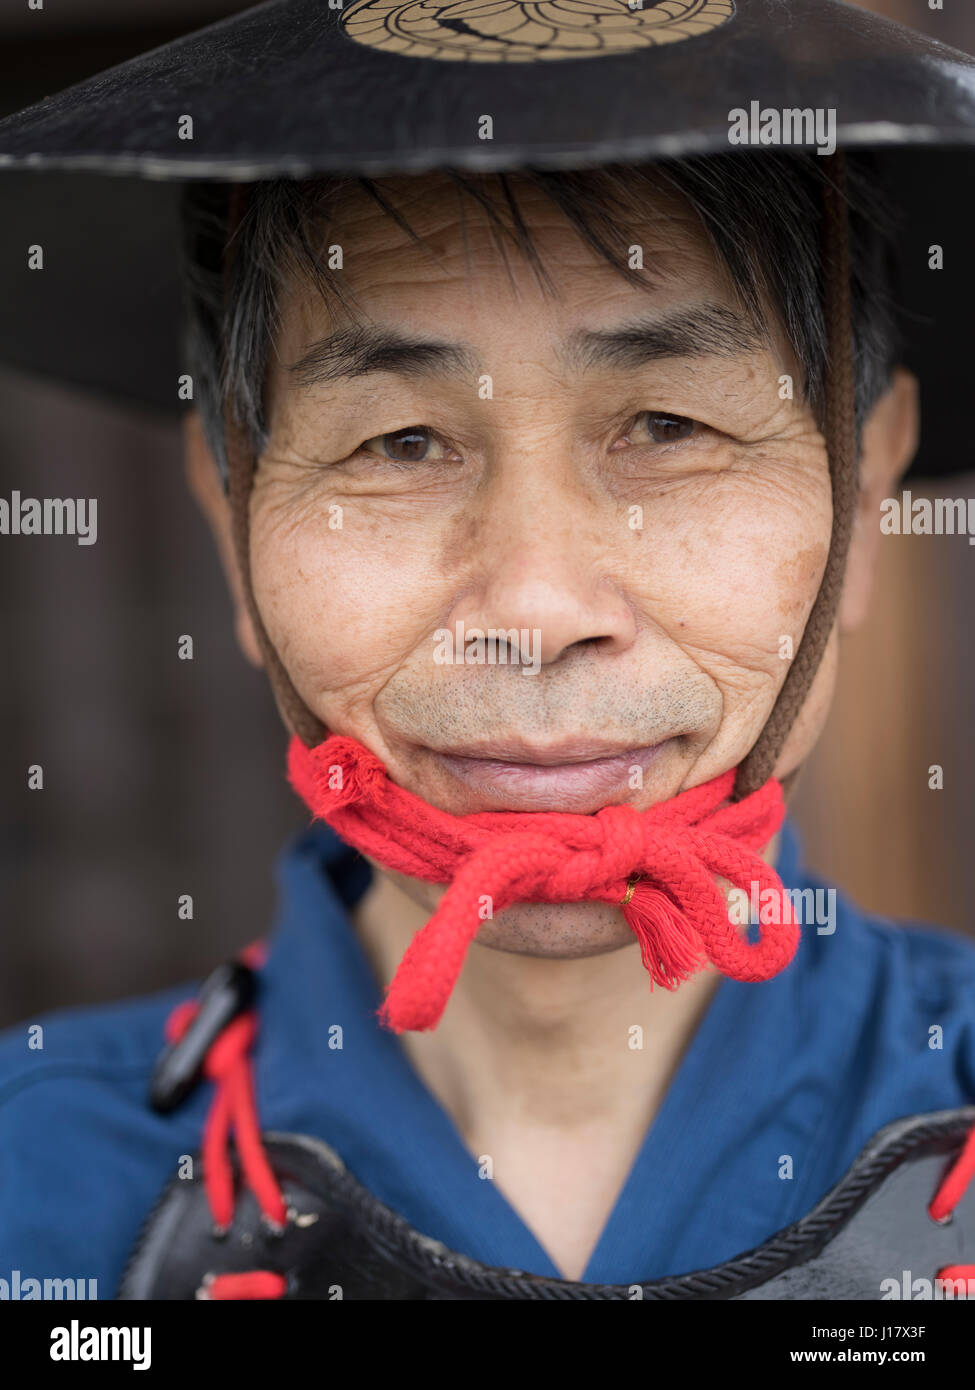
425,242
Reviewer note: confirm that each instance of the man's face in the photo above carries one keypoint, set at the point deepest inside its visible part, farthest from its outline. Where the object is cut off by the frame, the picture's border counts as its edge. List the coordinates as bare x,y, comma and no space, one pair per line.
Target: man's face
617,473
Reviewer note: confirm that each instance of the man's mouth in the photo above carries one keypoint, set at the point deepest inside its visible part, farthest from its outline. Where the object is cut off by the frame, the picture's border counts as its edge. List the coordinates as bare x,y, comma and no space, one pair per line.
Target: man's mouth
574,776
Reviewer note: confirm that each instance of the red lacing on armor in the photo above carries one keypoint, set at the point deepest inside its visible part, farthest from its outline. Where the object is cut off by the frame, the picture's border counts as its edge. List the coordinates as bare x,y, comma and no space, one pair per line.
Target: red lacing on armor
234,1108
950,1192
228,1066
253,1283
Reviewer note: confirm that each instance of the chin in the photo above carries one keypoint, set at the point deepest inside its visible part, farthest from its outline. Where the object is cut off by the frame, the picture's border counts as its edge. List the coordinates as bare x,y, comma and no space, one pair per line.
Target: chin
557,931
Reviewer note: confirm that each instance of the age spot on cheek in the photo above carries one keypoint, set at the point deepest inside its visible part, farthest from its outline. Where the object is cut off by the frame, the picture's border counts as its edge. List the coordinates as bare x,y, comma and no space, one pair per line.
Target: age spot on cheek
798,577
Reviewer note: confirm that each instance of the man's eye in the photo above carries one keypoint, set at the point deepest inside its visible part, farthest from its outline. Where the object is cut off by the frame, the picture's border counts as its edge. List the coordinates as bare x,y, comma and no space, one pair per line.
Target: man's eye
411,445
666,429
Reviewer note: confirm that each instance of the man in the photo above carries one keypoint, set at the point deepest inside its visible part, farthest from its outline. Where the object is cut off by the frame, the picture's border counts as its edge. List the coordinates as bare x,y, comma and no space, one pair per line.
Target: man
545,498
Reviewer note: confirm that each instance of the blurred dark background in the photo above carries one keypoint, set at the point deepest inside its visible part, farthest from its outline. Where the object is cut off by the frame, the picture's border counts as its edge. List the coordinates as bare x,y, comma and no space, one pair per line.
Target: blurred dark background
165,777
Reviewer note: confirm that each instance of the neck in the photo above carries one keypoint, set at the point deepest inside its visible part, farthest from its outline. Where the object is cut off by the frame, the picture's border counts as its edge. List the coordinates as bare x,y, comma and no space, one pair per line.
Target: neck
540,1036
551,1070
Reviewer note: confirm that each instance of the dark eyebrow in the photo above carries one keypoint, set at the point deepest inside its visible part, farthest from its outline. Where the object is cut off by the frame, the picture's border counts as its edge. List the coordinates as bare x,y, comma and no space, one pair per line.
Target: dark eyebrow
707,329
357,351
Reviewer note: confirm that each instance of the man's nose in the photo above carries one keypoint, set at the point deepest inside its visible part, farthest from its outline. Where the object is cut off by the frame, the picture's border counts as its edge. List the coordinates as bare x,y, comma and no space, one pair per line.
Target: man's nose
543,561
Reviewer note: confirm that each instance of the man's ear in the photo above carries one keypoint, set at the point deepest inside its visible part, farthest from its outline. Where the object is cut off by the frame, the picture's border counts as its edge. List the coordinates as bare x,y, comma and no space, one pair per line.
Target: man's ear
890,438
203,477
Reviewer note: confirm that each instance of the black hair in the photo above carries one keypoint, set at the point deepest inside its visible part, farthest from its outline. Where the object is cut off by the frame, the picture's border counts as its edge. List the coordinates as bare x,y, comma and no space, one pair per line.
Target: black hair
763,213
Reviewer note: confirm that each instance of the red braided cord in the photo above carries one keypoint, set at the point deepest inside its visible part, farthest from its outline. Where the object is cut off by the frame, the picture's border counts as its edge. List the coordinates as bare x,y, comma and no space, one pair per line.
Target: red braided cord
513,857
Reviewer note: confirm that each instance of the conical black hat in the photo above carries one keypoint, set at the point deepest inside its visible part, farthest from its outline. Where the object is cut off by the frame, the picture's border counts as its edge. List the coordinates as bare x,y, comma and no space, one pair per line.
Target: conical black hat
295,88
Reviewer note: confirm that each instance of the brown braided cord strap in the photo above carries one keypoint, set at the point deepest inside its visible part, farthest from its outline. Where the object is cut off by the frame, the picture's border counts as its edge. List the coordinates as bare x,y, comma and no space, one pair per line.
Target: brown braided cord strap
840,434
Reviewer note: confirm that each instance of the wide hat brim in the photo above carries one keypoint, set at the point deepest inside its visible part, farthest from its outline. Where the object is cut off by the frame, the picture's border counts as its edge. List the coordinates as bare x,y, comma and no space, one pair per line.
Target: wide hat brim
295,88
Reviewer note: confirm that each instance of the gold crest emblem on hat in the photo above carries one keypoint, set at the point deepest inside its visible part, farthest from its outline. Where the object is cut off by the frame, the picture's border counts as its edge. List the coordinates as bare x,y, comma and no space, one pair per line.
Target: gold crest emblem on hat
527,31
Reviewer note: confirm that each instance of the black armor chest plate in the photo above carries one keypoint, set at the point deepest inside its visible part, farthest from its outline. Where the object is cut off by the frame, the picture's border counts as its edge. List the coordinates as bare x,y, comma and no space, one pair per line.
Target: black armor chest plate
341,1242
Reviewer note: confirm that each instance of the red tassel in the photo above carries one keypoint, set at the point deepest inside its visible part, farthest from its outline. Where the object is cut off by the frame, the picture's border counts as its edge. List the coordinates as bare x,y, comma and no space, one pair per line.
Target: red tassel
670,948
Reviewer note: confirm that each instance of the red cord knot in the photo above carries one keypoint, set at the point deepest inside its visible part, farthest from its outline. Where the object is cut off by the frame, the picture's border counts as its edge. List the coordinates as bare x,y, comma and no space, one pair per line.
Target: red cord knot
494,859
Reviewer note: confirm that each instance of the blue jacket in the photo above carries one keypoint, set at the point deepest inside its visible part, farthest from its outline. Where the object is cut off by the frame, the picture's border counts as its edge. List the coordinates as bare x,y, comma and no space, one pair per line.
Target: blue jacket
805,1067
